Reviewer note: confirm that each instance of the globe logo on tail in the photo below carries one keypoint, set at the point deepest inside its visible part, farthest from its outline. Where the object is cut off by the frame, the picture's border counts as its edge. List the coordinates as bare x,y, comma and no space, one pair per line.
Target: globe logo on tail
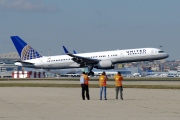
29,53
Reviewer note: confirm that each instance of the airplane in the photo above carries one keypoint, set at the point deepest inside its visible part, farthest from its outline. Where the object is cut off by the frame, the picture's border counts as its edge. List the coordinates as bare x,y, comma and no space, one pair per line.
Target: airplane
100,60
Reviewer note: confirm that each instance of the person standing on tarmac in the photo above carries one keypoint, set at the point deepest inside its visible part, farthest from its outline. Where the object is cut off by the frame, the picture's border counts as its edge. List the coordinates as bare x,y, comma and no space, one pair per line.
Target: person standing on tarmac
102,83
118,83
84,81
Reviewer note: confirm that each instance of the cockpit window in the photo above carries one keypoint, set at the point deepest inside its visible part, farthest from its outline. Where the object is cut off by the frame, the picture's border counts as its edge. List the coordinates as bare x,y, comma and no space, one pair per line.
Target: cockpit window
160,51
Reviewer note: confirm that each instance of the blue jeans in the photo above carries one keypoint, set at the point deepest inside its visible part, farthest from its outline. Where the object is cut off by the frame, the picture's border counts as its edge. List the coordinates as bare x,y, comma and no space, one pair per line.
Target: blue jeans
102,88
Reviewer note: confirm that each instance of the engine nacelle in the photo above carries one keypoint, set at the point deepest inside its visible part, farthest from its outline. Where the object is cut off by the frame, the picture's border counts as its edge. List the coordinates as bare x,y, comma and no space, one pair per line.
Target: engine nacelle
77,60
104,64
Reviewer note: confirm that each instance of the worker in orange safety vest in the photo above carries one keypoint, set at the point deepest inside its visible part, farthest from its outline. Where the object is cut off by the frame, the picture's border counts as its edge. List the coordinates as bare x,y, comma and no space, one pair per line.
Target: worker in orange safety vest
84,81
102,83
118,83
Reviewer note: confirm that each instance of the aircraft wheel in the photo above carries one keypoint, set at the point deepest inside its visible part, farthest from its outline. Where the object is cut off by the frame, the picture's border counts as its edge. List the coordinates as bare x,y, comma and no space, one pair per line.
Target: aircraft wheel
91,73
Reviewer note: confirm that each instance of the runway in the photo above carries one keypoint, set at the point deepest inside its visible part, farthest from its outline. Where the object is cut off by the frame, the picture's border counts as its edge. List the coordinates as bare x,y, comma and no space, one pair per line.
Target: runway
41,103
94,82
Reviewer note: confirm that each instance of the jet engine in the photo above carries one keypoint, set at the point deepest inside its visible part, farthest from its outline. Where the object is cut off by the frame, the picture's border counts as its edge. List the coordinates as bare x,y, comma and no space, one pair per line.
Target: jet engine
77,60
104,64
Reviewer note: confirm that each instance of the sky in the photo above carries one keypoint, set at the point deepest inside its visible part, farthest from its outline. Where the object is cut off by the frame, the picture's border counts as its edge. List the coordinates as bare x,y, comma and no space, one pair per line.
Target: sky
91,25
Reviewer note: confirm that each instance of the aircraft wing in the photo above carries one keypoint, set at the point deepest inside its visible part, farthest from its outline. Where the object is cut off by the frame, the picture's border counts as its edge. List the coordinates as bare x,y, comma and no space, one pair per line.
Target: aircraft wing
80,59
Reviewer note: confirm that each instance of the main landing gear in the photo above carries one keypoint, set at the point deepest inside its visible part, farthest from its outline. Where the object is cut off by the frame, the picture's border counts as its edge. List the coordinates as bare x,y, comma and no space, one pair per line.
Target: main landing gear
91,73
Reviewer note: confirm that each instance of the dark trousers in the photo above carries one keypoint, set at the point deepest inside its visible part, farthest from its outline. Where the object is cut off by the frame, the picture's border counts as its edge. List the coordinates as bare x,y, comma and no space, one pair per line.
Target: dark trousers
119,89
85,88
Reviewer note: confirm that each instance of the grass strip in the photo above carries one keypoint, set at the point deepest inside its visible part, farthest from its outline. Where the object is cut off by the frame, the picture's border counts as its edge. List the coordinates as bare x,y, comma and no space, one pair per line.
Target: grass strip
90,86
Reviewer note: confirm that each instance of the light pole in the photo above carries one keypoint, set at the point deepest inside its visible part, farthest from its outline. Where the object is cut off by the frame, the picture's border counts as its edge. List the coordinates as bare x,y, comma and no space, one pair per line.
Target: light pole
48,52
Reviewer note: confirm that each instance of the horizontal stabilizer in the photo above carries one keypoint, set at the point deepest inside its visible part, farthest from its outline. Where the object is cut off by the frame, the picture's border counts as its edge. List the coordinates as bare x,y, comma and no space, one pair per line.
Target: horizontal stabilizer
25,62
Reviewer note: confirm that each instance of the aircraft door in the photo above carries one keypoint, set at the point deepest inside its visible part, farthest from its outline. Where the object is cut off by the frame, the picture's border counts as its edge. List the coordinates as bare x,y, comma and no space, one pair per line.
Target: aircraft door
41,62
121,55
152,52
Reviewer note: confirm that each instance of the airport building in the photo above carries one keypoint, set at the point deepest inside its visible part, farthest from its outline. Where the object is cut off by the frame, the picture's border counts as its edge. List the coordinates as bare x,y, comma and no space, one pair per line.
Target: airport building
9,70
7,64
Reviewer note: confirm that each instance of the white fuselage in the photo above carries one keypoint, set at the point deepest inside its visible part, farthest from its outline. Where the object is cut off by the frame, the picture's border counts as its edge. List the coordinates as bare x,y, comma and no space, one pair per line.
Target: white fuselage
116,56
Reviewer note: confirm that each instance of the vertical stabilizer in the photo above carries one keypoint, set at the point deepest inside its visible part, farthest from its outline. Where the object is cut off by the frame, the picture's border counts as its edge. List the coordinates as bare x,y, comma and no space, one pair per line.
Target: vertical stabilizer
25,51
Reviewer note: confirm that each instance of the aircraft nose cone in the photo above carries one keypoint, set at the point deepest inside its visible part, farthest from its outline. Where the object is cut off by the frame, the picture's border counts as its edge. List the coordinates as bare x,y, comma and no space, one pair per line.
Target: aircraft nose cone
164,56
167,55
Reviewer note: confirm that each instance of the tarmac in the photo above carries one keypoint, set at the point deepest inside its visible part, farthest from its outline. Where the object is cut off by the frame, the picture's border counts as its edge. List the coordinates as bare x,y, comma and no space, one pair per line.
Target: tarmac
94,82
49,103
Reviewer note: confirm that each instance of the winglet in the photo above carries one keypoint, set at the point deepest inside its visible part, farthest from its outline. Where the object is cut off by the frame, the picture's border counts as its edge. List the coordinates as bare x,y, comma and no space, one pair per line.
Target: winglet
74,52
65,50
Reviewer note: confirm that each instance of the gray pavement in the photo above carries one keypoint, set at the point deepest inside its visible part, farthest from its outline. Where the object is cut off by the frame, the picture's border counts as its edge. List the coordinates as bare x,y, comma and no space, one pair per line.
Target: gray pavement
36,103
97,82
